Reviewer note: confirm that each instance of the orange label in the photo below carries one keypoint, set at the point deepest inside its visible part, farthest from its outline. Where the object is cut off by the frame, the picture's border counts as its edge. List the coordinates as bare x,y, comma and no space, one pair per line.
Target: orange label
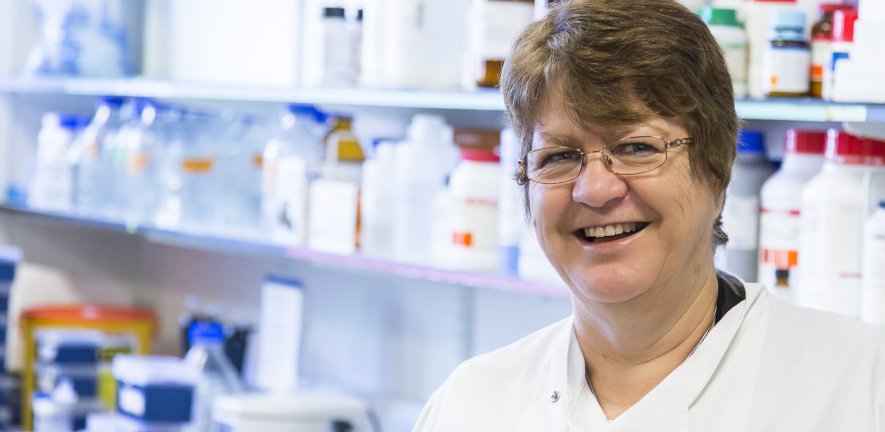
463,239
773,80
817,73
197,165
257,160
136,162
782,259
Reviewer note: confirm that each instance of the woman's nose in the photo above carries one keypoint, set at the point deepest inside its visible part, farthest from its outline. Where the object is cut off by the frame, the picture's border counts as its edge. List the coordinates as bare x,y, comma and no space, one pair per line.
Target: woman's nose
596,186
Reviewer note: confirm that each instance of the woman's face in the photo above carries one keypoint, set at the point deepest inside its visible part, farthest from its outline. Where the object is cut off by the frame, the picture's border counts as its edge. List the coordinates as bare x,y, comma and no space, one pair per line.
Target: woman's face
673,210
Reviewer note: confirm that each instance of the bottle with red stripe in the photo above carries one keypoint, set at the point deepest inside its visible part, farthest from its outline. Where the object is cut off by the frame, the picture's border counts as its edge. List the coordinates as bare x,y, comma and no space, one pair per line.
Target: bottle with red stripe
780,204
833,212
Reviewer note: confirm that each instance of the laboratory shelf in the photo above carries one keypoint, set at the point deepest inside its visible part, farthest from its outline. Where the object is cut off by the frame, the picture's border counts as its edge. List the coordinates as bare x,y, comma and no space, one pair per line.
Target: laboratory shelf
481,100
252,244
803,109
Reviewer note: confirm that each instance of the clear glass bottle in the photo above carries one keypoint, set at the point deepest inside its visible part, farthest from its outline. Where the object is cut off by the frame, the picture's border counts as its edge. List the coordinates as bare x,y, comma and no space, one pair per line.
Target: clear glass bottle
217,375
92,159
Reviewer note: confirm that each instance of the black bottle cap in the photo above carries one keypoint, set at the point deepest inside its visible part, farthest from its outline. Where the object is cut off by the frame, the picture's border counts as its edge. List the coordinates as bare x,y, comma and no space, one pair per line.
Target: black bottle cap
333,12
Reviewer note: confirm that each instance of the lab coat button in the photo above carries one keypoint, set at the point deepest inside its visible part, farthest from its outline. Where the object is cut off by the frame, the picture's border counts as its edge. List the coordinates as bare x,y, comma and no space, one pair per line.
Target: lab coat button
554,397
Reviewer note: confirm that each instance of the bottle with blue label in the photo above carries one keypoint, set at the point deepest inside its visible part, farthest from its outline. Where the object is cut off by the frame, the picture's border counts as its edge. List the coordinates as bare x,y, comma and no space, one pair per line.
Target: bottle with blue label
786,59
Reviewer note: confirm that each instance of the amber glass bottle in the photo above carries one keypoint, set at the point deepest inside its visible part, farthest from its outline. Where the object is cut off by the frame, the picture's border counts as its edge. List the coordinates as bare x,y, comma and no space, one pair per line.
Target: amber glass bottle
499,22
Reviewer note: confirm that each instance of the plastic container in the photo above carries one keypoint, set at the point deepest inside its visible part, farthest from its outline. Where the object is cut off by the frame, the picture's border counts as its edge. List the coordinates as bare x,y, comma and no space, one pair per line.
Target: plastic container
840,48
423,162
740,215
115,322
155,389
302,412
54,411
832,218
410,43
216,375
376,200
92,160
52,185
821,39
781,205
290,158
473,221
873,269
732,39
786,59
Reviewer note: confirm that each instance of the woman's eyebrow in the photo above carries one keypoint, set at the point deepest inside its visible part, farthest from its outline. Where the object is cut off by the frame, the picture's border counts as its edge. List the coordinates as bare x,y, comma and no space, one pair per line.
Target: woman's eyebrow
556,140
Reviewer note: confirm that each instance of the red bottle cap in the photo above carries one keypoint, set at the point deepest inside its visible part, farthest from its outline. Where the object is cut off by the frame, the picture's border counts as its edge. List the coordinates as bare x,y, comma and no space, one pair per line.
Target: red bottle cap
843,25
479,155
833,7
844,148
808,142
875,152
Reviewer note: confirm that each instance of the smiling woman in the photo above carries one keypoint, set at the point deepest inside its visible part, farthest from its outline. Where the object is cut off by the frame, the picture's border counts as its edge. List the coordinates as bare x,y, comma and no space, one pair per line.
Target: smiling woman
625,114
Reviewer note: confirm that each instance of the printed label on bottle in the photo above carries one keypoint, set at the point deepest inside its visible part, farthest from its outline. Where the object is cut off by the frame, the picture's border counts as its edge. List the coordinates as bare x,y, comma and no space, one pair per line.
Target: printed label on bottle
474,223
830,257
778,247
740,219
820,50
786,69
196,165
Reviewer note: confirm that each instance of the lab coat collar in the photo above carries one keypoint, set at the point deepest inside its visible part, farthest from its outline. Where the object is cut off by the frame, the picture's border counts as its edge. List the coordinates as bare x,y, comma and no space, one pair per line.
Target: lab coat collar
666,407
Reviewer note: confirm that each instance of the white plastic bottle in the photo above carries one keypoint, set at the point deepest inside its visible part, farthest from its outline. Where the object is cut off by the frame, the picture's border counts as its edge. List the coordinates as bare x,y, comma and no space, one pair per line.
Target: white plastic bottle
474,211
740,216
873,269
287,159
216,374
376,200
51,188
423,161
781,206
732,39
92,159
832,218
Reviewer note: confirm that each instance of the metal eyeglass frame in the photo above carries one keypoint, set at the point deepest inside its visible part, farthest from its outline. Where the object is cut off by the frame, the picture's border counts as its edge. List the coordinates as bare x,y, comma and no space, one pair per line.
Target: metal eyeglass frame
608,162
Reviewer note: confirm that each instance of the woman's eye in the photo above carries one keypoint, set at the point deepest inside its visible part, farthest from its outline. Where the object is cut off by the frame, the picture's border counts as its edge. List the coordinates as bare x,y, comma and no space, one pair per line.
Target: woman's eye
635,149
560,156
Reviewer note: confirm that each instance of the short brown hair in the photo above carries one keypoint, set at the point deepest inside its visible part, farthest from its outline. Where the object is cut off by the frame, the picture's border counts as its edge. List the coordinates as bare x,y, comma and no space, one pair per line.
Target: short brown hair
621,62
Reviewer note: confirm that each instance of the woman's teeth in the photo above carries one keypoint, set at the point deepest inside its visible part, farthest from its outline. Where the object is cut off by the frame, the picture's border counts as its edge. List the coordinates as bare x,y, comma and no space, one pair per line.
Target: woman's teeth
610,230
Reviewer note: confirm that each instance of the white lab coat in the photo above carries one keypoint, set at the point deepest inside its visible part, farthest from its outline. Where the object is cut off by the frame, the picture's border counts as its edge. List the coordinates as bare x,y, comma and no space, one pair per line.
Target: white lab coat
766,366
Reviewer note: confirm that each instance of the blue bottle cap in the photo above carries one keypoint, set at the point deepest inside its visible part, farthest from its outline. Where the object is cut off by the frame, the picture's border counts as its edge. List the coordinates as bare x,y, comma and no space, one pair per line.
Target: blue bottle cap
71,121
786,19
750,142
205,332
307,110
111,101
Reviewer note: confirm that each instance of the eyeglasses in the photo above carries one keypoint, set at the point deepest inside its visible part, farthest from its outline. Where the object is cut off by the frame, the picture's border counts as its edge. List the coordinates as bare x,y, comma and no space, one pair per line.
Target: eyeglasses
628,156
